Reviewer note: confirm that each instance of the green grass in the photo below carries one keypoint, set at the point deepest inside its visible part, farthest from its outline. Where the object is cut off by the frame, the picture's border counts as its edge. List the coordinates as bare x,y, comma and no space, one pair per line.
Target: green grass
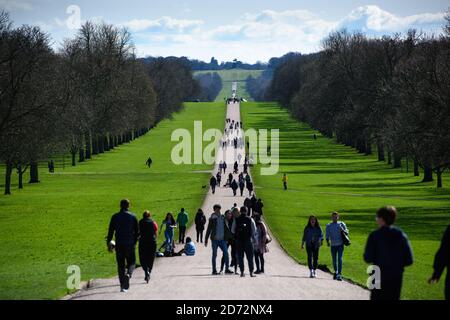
228,76
325,176
63,220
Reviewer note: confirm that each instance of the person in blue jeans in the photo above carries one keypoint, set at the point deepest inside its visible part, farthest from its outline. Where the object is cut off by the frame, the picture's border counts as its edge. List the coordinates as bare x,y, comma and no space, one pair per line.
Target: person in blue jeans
219,233
170,224
333,232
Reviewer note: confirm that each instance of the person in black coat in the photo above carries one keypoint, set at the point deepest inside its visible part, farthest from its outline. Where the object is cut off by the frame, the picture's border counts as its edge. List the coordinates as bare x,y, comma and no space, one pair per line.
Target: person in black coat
218,178
248,205
200,221
234,186
250,188
148,229
124,226
389,249
213,183
241,186
442,261
259,207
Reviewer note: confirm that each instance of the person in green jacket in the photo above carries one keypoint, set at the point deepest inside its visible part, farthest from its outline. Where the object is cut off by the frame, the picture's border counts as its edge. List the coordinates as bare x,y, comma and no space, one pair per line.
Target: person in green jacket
182,221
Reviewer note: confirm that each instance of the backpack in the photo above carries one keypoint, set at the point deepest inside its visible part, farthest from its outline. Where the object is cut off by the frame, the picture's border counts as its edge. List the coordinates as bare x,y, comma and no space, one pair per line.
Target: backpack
243,228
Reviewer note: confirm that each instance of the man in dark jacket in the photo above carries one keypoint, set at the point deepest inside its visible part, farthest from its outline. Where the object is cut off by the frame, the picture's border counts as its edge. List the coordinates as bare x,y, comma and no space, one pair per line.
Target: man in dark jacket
124,226
241,186
148,230
248,205
244,230
234,186
213,183
389,249
442,261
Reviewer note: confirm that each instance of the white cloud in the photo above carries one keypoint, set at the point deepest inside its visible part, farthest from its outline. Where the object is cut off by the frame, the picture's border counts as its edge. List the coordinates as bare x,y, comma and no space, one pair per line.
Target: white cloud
164,24
372,19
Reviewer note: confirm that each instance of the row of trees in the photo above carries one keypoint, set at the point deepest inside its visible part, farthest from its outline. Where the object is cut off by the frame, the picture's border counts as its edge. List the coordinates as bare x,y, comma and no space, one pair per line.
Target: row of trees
210,85
87,98
391,94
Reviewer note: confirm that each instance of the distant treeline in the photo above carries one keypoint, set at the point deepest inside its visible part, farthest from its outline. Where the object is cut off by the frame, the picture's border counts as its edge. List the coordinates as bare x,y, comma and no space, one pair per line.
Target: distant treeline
88,97
390,94
198,65
210,86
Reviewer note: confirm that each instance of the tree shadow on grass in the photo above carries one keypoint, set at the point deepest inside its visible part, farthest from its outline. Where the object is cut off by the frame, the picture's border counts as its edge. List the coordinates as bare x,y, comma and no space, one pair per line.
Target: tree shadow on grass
418,223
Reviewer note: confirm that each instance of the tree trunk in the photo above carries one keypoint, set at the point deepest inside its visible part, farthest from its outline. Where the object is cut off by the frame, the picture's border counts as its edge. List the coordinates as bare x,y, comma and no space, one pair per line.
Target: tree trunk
8,172
111,142
20,174
101,148
88,146
439,177
416,168
105,143
74,154
427,174
34,172
397,161
81,155
380,151
368,148
389,154
94,145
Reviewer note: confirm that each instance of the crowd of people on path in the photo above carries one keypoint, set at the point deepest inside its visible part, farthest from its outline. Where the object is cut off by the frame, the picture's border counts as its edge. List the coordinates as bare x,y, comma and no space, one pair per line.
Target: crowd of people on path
241,235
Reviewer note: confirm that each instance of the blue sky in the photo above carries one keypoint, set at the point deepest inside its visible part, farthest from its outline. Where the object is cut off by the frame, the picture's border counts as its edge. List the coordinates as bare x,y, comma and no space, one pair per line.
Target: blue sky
249,30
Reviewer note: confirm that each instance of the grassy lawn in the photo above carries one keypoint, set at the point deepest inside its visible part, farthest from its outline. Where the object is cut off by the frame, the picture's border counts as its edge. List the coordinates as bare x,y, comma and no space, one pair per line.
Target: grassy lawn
324,176
228,76
63,220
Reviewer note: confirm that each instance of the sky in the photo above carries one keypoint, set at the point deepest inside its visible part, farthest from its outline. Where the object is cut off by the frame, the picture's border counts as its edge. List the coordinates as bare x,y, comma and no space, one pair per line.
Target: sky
248,30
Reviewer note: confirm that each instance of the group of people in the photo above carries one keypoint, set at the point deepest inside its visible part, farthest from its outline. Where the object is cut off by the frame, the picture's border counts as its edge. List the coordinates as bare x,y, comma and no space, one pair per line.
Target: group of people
245,235
387,248
127,231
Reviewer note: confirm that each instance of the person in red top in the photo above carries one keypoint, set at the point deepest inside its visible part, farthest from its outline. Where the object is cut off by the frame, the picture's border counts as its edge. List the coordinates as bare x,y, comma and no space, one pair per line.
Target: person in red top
148,229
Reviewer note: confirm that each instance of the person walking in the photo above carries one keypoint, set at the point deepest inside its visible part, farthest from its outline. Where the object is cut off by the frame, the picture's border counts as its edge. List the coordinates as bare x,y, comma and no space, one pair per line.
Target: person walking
388,248
253,201
149,162
218,178
219,234
200,221
248,205
213,183
182,221
285,180
442,261
224,167
148,229
335,231
234,186
236,167
258,207
313,239
260,244
230,243
170,224
241,186
230,179
250,188
124,227
244,230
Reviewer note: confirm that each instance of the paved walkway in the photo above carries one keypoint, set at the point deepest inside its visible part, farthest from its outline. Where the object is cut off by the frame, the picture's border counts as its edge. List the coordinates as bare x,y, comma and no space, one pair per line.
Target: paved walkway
190,277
